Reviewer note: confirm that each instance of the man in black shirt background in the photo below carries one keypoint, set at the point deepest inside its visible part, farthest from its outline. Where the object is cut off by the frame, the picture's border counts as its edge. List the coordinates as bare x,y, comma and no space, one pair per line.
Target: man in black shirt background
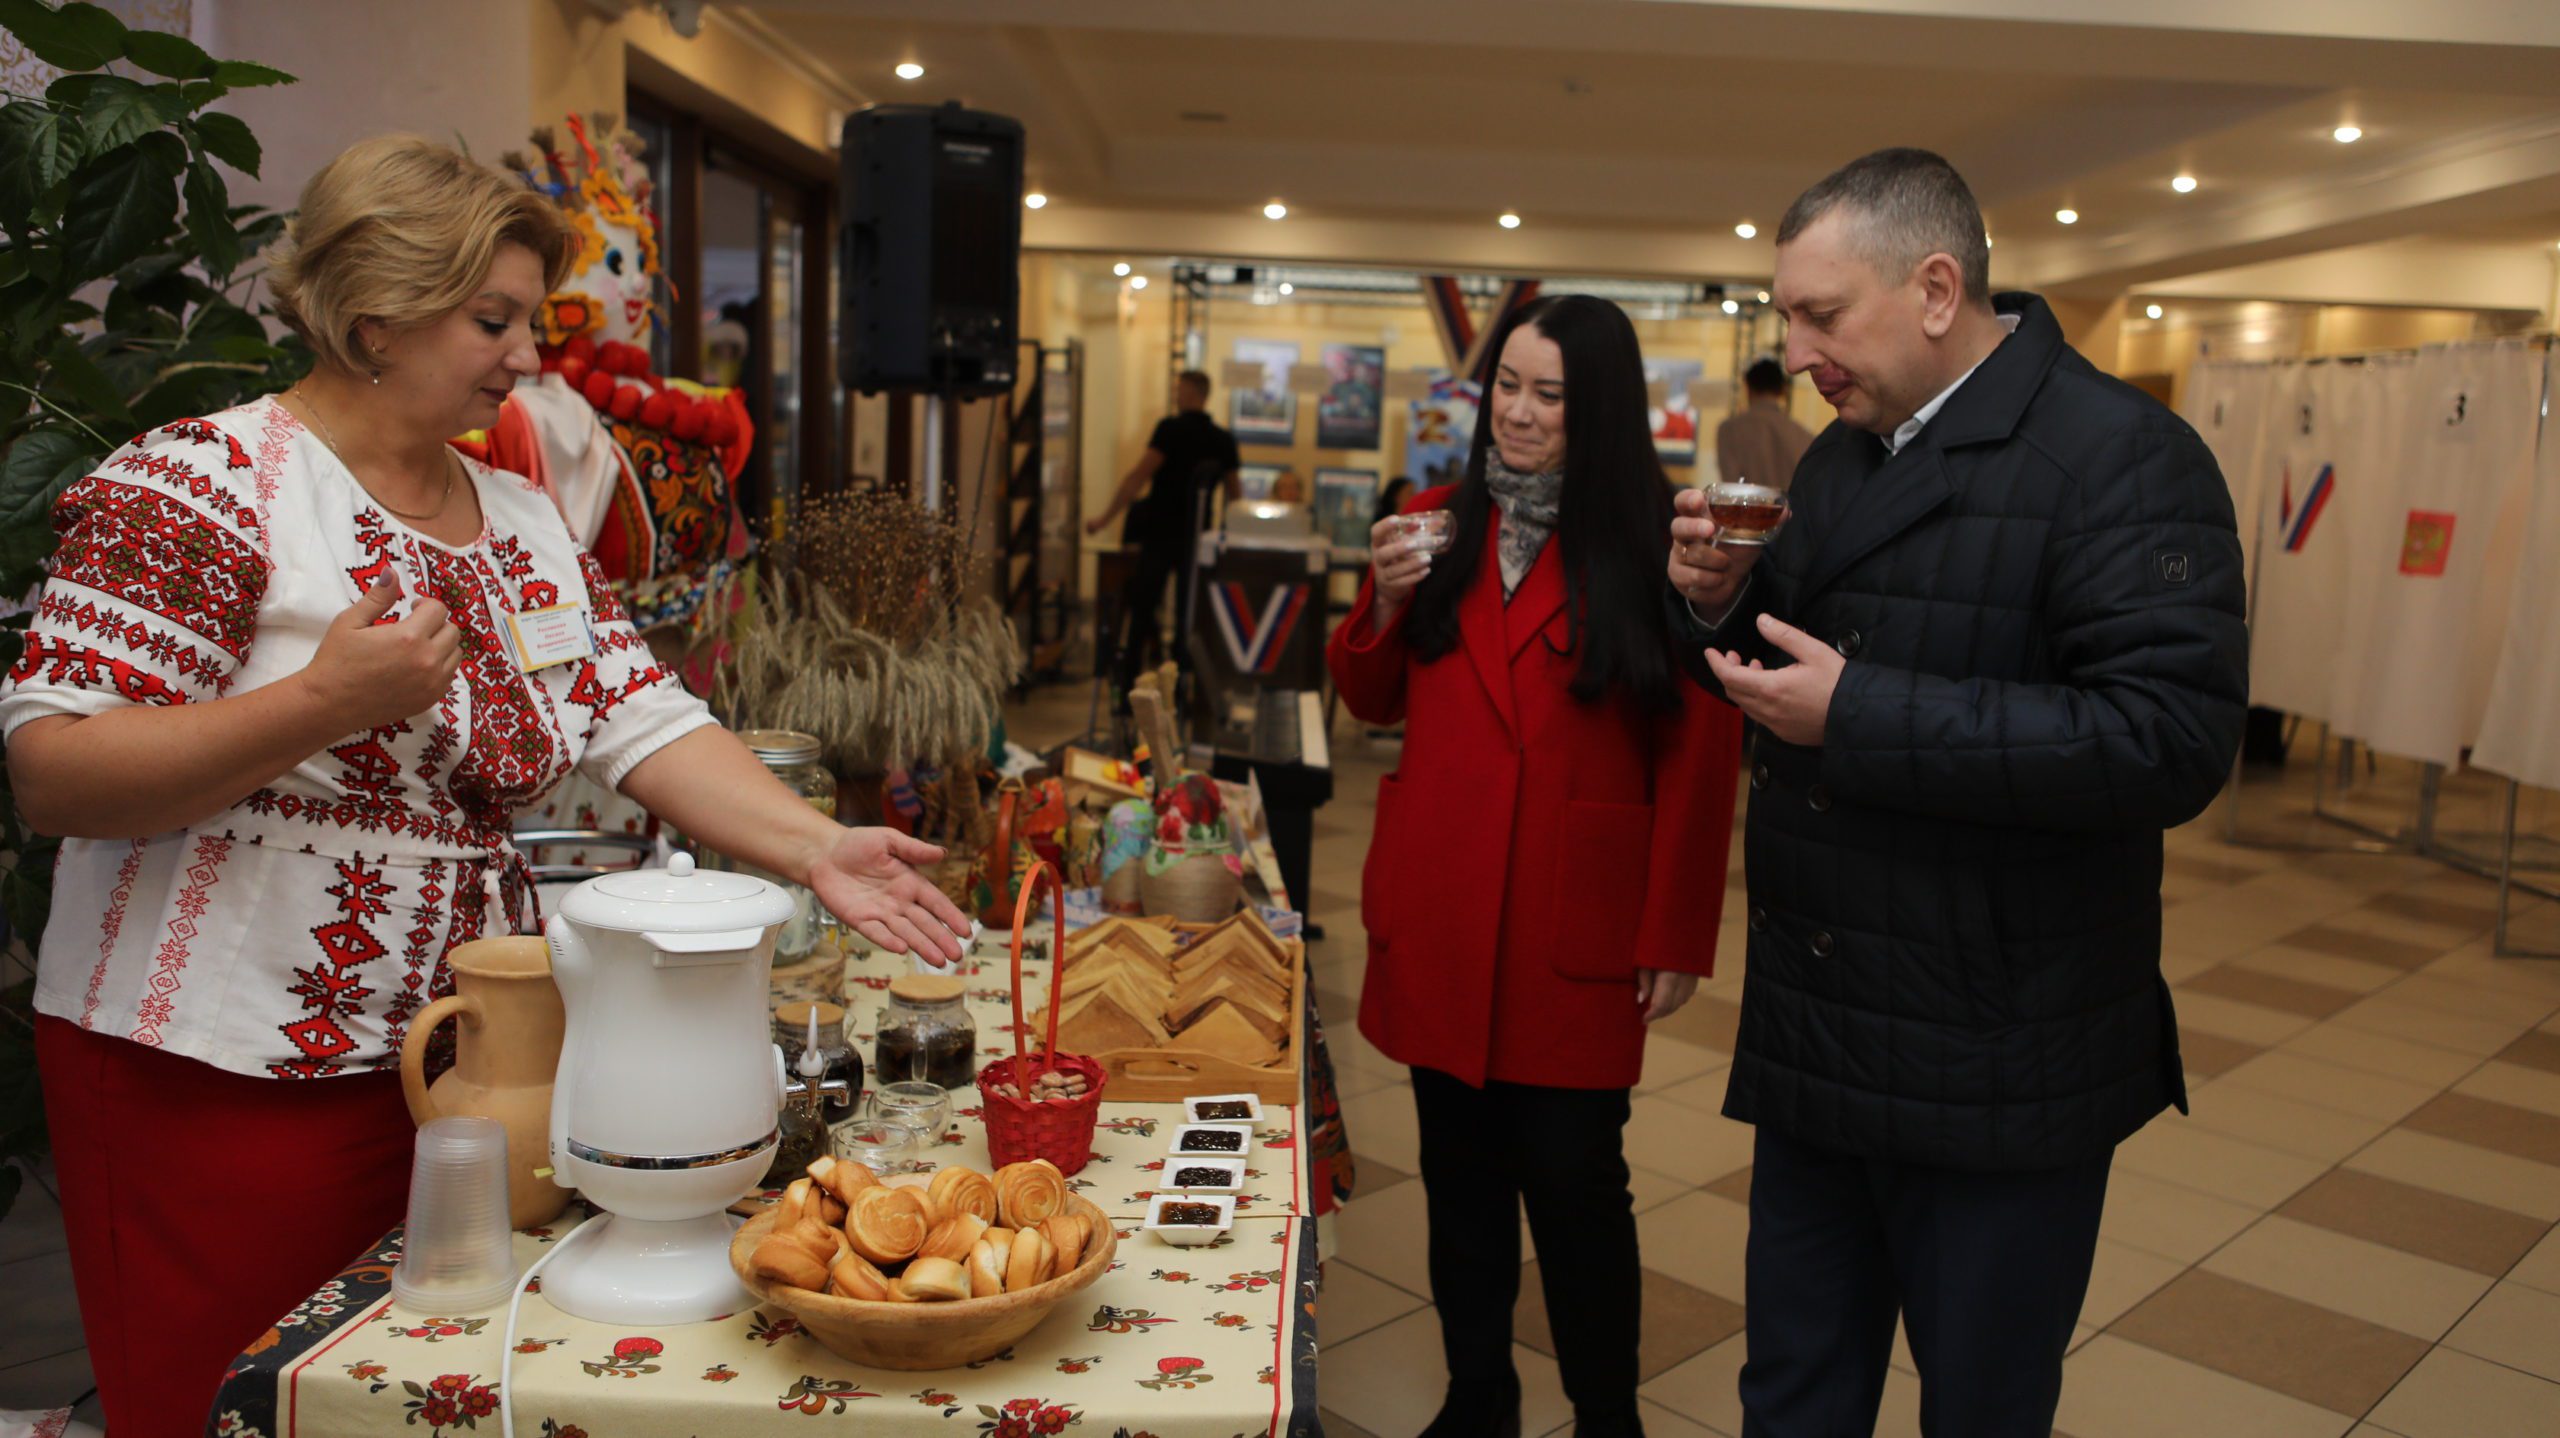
1187,457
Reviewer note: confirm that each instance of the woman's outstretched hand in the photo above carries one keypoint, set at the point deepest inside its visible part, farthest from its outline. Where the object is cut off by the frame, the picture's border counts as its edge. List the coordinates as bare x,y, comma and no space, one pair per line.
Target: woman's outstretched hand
868,879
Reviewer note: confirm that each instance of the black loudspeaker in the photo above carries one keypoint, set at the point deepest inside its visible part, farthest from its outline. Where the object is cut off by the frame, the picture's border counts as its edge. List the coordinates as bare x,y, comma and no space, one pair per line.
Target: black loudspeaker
932,249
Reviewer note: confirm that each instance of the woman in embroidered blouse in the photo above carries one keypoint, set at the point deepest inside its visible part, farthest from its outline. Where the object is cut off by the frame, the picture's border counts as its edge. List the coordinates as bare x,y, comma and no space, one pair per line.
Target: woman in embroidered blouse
274,698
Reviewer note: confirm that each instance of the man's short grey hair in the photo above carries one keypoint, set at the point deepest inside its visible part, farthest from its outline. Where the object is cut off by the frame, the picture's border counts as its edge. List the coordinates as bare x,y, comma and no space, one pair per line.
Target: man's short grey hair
1903,206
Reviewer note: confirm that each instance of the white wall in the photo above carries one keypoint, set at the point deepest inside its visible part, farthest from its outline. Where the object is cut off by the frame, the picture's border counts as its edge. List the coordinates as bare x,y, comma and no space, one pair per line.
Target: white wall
2441,274
454,70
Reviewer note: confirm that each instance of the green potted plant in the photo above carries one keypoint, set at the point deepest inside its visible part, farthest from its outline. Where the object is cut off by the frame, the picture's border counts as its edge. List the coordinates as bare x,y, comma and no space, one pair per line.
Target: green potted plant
121,309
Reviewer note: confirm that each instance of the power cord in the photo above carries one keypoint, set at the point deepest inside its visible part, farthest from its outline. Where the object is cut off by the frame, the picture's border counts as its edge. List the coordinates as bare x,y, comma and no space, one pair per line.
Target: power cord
515,1309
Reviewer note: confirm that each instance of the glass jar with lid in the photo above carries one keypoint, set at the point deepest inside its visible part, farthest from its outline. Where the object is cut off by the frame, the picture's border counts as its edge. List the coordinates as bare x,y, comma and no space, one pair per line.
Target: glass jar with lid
926,1033
793,758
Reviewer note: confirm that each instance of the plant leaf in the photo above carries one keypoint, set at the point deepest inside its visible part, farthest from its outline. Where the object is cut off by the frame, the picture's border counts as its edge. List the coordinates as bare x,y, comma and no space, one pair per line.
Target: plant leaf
209,219
39,148
162,53
243,75
227,138
36,470
88,384
123,202
118,112
75,37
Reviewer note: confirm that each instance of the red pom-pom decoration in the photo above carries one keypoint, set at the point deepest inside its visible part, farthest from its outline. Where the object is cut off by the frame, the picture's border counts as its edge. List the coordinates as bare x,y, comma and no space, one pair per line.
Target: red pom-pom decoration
581,348
575,371
687,425
658,409
720,430
598,388
626,402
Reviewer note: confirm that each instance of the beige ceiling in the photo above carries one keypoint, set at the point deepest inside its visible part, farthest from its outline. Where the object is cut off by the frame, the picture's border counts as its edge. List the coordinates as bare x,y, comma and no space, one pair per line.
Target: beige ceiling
1633,134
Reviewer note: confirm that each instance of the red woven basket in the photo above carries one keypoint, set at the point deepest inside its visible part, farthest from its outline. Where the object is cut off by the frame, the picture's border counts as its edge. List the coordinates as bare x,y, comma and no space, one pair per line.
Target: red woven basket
1020,1130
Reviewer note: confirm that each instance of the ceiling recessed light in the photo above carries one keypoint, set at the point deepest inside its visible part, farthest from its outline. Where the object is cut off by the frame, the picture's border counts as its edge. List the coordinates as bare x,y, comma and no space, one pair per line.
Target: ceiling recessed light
1764,297
1035,200
1287,288
2184,184
1732,307
2068,217
1121,269
1509,221
1137,282
1746,229
1275,211
910,70
2151,312
2346,134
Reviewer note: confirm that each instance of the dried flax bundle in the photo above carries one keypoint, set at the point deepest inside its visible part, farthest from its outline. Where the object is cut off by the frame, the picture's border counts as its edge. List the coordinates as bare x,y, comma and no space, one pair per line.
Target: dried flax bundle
861,637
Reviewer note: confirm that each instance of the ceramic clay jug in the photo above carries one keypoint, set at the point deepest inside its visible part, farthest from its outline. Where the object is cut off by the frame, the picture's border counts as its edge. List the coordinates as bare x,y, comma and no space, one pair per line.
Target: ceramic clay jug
507,1049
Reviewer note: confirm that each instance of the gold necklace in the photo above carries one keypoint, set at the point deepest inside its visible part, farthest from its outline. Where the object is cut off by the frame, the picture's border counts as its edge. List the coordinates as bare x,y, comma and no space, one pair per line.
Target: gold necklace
330,439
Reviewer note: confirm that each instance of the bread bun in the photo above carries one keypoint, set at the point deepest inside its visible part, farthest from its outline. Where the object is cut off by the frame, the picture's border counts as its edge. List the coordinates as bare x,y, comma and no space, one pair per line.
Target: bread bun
955,1191
1067,1234
854,1277
986,1271
1001,1240
842,1178
953,1237
784,1261
887,1225
935,1280
1028,1194
1028,1267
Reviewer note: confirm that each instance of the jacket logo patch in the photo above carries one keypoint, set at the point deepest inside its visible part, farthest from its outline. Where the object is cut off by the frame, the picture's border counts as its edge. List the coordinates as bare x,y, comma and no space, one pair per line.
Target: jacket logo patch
2175,567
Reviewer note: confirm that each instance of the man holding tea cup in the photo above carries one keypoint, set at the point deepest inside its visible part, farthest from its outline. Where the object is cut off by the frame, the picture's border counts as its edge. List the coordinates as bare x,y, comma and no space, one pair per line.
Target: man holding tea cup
1996,651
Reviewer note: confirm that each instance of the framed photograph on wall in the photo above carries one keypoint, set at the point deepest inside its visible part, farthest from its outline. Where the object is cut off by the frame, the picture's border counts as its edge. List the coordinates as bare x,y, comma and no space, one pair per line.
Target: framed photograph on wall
1257,479
1267,414
1442,432
1674,417
1346,506
1347,413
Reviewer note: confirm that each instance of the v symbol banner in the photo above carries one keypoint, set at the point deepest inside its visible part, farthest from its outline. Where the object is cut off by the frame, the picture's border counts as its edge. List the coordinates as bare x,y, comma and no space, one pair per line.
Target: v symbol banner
1257,636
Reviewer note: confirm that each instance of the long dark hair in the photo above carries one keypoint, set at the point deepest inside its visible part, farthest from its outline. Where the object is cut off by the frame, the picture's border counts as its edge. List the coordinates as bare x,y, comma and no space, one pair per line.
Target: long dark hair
1614,520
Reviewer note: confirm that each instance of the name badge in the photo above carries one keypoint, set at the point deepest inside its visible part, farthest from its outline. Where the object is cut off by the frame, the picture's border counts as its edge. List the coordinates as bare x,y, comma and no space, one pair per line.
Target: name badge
544,637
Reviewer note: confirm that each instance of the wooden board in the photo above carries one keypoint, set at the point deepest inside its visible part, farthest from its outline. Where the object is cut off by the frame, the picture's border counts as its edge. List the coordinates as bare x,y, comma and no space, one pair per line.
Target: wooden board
1172,1074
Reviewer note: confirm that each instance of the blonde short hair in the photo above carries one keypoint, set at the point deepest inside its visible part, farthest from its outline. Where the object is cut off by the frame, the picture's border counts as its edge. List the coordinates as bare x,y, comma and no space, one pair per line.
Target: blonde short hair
402,230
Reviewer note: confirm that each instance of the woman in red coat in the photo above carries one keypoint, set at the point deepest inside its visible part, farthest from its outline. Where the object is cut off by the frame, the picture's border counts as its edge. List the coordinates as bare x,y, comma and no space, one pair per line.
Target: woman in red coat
1548,867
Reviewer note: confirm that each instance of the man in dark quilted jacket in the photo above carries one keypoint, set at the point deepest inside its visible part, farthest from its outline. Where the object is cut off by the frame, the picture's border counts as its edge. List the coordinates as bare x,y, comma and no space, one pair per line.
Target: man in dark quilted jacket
1995,653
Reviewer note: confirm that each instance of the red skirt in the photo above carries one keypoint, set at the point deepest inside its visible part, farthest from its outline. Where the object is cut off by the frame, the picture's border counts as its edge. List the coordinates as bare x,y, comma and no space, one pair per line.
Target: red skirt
203,1205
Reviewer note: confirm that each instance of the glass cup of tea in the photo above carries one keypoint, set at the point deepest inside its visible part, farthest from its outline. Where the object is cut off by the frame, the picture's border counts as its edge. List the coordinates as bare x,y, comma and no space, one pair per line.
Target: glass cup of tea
1428,531
1746,515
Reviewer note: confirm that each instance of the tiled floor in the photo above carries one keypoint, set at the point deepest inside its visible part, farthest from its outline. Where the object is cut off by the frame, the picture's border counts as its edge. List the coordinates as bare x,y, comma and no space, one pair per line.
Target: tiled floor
2354,1234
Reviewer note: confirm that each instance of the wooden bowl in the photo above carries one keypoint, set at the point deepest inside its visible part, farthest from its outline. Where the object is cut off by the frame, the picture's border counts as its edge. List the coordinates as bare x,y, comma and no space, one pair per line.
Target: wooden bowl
925,1336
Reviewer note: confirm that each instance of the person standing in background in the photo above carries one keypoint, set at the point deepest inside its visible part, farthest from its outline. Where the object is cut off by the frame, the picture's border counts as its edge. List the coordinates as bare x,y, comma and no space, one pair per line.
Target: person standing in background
1998,651
1187,457
1759,443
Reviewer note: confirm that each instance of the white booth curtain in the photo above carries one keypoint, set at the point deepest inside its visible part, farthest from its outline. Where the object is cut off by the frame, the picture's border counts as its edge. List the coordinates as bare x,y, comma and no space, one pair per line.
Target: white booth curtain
2404,556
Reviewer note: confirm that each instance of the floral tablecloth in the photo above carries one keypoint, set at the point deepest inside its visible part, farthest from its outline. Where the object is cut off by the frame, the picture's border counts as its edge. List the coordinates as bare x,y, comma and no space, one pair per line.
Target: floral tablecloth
1215,1342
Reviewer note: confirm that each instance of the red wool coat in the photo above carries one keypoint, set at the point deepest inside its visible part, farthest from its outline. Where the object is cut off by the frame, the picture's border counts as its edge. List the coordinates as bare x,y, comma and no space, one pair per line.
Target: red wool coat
1531,851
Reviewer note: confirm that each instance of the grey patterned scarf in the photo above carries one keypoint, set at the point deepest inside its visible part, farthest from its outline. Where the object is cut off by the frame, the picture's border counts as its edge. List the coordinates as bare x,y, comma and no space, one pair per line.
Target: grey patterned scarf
1529,503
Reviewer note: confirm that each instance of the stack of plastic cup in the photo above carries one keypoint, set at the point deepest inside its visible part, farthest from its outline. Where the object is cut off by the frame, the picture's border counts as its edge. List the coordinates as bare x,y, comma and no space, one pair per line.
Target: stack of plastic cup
458,1256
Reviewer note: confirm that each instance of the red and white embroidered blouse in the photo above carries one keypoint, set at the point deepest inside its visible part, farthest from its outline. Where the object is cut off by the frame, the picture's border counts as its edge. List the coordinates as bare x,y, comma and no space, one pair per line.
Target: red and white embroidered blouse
297,933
